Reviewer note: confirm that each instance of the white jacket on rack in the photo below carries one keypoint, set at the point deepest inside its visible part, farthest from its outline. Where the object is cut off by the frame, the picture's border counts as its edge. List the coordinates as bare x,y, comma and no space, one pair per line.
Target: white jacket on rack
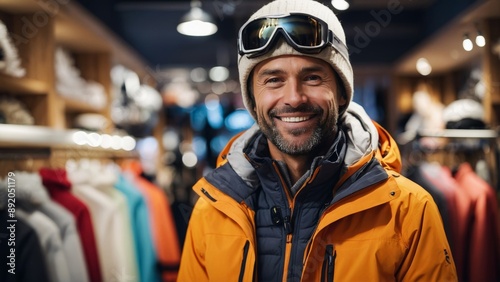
111,221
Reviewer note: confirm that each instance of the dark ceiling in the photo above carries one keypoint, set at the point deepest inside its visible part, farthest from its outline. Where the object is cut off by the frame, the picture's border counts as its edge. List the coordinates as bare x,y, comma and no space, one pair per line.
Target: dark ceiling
379,32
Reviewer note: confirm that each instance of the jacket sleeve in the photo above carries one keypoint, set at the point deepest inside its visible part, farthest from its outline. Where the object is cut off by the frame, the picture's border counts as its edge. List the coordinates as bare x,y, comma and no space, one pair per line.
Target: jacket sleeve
192,266
428,256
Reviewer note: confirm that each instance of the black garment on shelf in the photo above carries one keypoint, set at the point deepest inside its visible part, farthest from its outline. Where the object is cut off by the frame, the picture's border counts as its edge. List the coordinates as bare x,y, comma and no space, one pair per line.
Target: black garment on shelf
466,123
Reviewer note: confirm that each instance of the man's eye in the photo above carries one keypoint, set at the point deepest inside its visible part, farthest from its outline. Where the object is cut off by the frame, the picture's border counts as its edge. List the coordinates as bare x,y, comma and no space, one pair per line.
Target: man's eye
313,77
273,80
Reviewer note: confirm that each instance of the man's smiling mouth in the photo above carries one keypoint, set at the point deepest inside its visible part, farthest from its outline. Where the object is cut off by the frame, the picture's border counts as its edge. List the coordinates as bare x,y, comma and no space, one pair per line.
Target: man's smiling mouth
294,119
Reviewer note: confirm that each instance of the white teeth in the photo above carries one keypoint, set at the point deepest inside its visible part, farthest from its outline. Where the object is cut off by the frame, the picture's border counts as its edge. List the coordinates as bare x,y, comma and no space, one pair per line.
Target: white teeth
294,119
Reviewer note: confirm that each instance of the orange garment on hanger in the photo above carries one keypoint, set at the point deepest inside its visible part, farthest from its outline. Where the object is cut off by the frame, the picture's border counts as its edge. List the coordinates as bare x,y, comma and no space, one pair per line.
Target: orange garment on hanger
163,225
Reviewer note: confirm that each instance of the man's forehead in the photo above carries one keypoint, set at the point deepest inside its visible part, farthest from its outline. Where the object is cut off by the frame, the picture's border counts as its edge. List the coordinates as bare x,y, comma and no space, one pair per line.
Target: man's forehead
291,59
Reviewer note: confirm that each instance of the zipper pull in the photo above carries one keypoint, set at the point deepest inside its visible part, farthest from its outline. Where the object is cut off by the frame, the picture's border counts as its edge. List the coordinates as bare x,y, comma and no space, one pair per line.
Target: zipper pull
276,216
288,225
278,219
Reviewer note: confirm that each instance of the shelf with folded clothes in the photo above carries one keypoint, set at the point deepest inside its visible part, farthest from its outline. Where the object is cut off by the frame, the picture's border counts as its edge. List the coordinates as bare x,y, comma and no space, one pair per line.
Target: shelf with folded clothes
82,83
82,80
73,27
37,31
23,109
20,48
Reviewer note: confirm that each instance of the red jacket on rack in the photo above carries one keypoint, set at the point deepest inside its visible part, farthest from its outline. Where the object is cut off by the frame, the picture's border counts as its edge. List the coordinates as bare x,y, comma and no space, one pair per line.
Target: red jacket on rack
484,243
58,186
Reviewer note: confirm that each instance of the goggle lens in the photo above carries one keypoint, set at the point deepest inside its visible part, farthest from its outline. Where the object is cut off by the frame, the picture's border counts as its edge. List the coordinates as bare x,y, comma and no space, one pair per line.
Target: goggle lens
304,31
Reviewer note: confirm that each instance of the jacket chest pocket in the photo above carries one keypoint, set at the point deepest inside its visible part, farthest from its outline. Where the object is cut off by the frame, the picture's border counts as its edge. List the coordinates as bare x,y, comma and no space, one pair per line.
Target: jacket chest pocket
229,258
328,268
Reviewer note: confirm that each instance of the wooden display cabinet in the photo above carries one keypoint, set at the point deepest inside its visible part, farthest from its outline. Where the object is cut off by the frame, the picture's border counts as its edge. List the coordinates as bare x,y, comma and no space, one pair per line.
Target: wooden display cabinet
37,29
448,60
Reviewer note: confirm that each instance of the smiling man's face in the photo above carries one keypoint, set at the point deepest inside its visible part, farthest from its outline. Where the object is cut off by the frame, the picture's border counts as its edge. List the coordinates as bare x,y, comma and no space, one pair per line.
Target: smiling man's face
297,102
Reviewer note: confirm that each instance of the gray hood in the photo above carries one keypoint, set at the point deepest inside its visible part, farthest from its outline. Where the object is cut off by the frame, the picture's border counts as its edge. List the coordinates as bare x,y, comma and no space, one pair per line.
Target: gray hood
362,139
30,192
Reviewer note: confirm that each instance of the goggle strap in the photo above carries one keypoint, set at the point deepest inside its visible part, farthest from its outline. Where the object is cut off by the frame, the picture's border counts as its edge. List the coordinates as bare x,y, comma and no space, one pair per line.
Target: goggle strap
338,44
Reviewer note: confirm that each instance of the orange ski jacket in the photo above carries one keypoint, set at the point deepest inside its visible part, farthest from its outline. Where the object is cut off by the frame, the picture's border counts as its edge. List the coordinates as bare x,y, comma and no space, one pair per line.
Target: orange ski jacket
390,230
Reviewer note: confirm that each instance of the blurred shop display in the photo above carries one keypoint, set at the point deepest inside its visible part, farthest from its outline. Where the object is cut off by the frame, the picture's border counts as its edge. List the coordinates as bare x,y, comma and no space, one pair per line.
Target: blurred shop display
135,106
71,84
13,111
10,63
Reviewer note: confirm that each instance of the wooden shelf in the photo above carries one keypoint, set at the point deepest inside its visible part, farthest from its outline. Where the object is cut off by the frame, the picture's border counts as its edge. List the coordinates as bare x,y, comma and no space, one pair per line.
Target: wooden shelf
17,6
76,106
77,37
22,85
69,26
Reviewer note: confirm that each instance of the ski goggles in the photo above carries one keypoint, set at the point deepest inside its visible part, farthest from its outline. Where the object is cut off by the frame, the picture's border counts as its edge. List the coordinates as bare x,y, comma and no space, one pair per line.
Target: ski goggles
305,33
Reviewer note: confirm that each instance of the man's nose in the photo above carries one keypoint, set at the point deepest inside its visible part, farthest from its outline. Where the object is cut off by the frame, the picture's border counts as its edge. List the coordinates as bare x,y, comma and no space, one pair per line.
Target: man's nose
294,94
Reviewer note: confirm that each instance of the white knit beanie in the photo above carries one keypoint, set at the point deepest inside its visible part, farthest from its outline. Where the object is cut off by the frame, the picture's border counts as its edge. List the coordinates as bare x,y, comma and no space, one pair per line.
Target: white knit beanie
339,62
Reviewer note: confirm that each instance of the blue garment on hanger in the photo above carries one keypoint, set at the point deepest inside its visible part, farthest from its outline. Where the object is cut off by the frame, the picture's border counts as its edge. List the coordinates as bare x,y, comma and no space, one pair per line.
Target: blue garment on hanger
140,221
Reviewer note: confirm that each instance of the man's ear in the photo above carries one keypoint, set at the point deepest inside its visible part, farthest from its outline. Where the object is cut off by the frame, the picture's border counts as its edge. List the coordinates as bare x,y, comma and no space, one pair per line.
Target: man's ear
342,100
341,91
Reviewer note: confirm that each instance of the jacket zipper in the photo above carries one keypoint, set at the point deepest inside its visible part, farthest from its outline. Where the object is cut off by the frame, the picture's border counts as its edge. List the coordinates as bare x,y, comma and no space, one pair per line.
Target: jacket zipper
205,192
286,221
244,260
328,268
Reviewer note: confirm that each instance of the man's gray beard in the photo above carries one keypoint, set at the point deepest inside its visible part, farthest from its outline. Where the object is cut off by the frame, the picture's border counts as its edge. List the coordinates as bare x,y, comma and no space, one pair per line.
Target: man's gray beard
321,134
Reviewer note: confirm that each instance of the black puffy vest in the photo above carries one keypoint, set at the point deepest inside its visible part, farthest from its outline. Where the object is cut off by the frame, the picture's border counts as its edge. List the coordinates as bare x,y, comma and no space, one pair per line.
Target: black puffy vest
274,218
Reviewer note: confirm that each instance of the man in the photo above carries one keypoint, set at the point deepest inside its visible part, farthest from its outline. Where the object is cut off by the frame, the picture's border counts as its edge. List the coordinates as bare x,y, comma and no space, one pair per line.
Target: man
313,191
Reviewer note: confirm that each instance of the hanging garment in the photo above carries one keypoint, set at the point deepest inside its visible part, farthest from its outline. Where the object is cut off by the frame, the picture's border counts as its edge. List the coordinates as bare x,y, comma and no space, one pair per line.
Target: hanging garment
51,243
111,221
59,188
163,227
141,227
484,244
460,213
30,264
32,195
415,173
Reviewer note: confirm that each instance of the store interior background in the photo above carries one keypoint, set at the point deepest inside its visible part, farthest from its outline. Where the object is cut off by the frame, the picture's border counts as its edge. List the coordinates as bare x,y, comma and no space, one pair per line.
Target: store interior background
385,37
184,117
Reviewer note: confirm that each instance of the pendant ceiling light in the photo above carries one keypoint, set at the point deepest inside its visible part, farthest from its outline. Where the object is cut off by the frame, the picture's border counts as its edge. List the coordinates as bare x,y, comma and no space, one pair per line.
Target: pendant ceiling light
467,43
480,40
340,5
197,22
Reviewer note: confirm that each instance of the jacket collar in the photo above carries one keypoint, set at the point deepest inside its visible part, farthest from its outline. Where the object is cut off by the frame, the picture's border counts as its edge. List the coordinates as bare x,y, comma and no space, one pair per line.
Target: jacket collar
332,161
361,137
367,142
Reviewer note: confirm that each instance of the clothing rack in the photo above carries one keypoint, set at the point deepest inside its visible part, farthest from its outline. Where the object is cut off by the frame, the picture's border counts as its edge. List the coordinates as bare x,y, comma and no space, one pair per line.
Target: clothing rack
29,148
490,148
459,133
461,190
